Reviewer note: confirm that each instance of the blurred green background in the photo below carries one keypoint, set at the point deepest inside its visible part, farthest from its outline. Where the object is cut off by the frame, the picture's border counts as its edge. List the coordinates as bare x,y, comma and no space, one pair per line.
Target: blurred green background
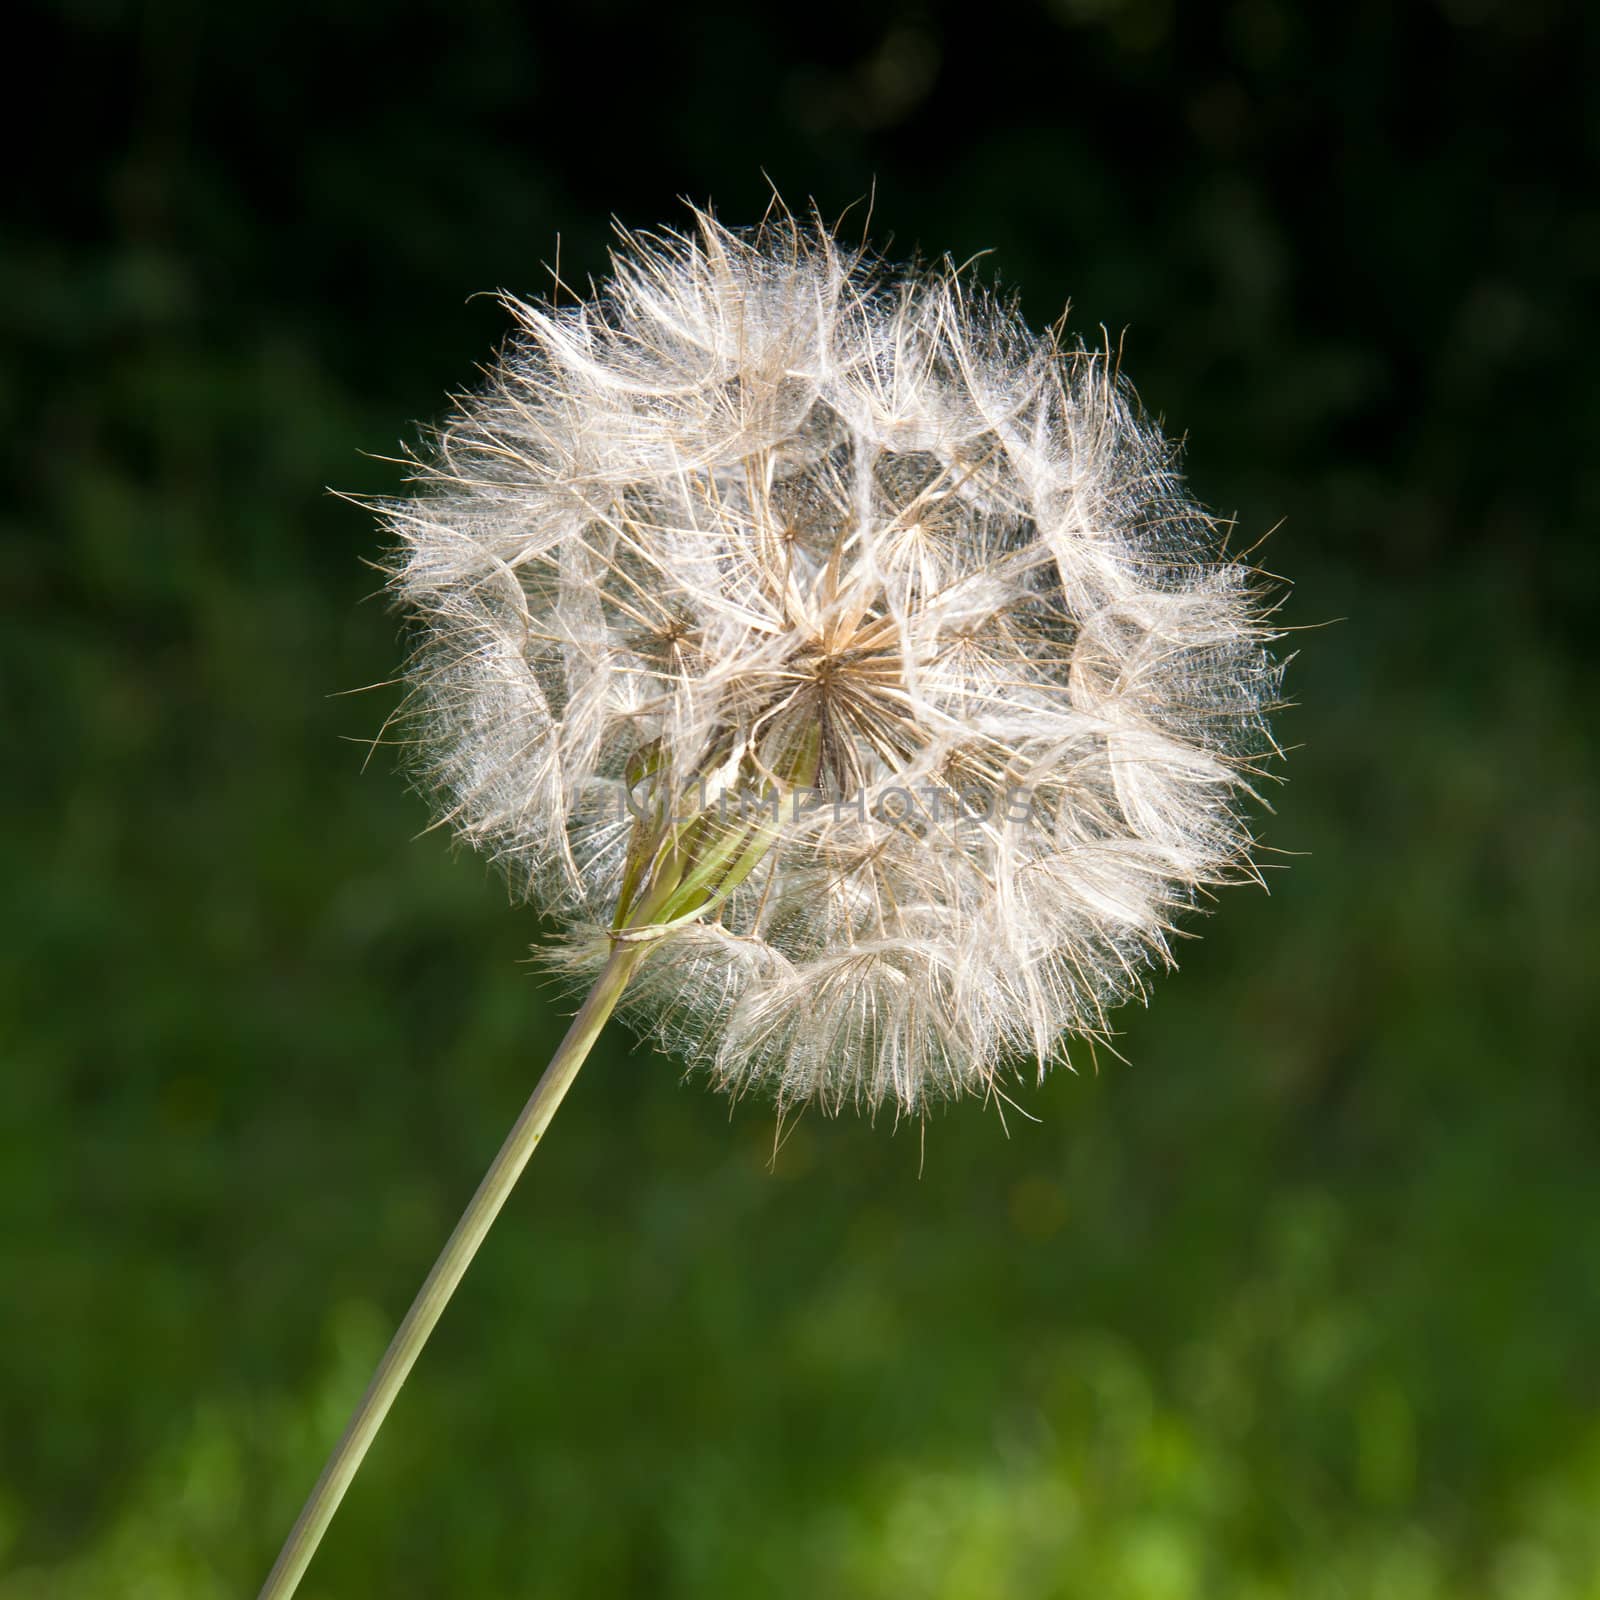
1302,1301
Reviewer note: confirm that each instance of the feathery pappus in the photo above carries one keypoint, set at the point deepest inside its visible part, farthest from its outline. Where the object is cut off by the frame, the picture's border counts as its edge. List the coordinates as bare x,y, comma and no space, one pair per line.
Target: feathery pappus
850,647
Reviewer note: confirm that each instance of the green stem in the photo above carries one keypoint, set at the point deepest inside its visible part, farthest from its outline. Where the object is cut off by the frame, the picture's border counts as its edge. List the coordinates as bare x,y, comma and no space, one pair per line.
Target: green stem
447,1272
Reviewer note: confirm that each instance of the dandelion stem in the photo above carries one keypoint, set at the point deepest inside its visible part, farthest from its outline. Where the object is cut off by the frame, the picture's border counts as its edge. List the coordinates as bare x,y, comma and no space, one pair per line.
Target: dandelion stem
447,1272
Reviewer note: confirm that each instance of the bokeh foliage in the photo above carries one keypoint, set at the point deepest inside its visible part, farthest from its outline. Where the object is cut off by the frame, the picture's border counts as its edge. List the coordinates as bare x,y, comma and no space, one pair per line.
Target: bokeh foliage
1304,1300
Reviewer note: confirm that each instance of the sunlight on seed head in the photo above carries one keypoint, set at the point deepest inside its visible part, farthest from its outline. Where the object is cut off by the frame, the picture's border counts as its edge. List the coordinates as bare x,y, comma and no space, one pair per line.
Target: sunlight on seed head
766,514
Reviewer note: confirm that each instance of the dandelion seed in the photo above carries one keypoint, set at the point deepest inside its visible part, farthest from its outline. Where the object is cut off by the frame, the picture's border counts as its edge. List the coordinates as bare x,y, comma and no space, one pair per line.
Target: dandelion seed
768,512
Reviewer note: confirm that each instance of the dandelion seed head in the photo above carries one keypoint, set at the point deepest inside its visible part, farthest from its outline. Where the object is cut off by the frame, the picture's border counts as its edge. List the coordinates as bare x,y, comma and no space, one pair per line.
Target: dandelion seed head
767,514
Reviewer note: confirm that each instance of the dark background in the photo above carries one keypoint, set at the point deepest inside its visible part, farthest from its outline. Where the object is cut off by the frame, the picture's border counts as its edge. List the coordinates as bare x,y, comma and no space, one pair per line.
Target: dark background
1302,1301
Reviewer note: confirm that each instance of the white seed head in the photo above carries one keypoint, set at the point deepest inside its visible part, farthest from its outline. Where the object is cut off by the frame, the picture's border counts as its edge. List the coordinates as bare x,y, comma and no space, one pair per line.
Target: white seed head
764,515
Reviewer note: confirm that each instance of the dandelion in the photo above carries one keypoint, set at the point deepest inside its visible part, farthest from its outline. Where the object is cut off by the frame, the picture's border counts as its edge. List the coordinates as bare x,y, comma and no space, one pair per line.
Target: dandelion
842,664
